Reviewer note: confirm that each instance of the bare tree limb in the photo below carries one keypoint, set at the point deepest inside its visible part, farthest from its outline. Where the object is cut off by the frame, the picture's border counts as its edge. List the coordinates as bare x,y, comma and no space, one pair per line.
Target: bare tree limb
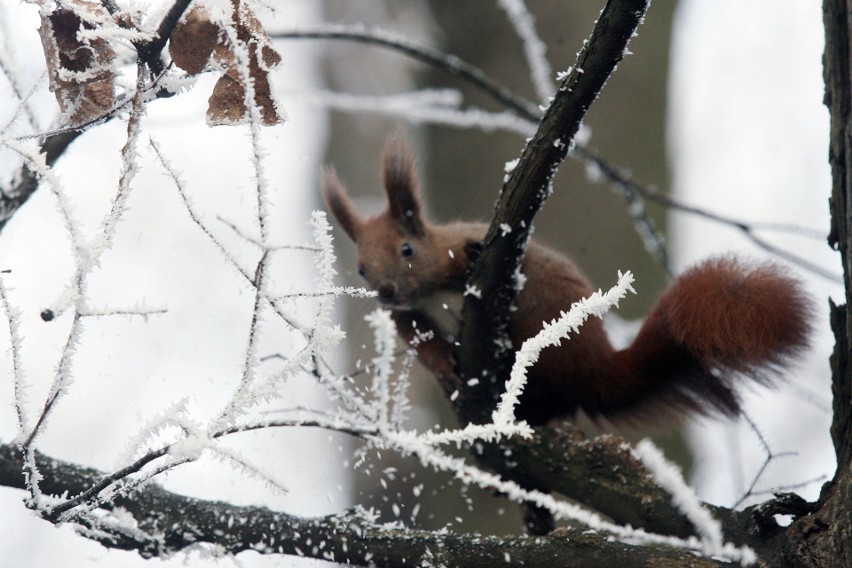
150,52
55,144
450,63
486,320
167,523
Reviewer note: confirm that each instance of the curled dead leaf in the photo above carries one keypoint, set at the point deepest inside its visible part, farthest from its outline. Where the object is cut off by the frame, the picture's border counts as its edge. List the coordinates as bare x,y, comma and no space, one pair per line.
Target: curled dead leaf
193,39
79,67
227,104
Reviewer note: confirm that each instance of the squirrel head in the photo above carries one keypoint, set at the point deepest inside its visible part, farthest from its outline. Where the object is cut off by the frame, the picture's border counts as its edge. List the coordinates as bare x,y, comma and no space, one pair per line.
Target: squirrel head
398,251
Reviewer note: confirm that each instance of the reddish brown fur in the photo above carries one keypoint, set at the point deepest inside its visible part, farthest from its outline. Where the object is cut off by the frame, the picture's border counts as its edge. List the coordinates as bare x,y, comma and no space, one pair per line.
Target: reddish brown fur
721,318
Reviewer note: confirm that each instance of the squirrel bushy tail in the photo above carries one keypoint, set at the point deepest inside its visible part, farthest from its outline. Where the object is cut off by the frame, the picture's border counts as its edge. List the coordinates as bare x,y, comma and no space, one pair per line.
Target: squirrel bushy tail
721,319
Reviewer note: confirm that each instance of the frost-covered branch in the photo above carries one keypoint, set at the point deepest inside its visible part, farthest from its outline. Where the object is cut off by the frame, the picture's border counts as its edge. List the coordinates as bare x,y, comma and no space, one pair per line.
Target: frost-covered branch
421,107
86,256
633,192
13,318
524,191
374,419
150,51
128,171
669,477
534,48
553,333
54,144
11,70
438,59
157,523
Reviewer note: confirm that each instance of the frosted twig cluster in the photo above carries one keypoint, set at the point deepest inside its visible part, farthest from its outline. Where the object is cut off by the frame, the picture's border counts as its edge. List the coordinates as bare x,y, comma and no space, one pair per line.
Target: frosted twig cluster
175,435
427,446
86,254
534,48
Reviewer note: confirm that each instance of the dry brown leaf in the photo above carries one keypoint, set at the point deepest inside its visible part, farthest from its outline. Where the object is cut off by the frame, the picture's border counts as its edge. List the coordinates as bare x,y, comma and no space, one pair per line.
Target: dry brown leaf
80,71
193,39
227,104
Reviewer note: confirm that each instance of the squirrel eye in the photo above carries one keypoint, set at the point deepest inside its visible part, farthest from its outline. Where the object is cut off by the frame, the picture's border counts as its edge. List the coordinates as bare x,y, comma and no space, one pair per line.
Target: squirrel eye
406,249
361,271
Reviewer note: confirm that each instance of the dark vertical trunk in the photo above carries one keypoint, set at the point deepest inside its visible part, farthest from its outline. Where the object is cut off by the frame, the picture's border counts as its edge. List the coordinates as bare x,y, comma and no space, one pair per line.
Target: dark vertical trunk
824,538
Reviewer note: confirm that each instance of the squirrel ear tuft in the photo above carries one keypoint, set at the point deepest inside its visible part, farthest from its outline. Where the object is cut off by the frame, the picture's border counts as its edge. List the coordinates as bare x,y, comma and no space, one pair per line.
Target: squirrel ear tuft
399,174
338,201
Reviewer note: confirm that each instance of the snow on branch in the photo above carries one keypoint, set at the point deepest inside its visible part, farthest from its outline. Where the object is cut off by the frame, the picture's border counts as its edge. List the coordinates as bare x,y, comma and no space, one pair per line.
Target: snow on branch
384,332
534,48
140,309
353,536
173,174
472,475
421,107
449,63
128,171
13,318
37,163
668,476
9,65
552,334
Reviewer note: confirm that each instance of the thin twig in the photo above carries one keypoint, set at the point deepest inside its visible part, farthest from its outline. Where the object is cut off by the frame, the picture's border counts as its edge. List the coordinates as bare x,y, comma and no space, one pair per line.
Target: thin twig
770,456
534,48
135,467
789,486
13,320
433,57
55,143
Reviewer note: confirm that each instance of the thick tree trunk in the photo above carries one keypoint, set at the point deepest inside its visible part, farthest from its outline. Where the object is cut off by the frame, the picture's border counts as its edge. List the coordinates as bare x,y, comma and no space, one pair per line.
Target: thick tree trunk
824,538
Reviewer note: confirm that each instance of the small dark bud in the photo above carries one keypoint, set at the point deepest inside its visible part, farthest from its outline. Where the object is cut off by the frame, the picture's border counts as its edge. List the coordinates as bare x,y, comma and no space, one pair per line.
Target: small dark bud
47,315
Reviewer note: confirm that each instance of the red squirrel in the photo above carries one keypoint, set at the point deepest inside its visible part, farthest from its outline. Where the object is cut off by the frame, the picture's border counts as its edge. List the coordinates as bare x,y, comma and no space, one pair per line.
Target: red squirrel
721,319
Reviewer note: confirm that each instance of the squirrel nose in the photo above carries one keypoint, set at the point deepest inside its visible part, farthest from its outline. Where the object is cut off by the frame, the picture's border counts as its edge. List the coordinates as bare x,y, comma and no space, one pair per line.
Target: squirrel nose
387,291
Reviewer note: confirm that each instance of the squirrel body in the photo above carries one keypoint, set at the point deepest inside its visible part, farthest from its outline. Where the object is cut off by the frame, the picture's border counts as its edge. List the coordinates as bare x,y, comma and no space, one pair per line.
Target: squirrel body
721,319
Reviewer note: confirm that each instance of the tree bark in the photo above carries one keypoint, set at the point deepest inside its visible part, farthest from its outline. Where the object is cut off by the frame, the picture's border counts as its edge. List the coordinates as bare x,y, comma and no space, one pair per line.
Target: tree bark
824,538
486,316
167,523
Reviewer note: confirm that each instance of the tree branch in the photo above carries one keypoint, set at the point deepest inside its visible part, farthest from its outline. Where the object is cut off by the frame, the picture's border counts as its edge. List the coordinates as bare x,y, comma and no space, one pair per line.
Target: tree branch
438,59
485,320
824,537
55,144
167,523
150,51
